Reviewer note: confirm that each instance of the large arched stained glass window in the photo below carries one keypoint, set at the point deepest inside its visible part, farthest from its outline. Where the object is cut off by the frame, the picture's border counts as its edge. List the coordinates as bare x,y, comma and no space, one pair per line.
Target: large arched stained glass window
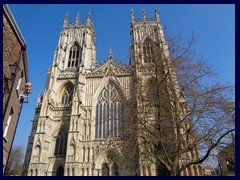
67,95
148,52
109,113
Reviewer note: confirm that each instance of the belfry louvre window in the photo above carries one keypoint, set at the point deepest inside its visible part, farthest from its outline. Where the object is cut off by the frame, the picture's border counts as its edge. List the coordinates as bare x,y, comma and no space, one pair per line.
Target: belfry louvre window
73,56
148,53
109,113
67,95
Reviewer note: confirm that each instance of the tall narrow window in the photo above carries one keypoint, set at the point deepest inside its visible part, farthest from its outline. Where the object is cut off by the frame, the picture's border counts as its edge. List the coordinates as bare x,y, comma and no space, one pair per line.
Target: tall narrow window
109,112
20,80
61,143
148,53
67,95
8,123
83,154
88,158
73,56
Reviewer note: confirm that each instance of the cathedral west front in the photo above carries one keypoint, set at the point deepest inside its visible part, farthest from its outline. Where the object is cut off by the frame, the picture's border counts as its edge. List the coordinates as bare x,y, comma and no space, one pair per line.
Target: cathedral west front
78,124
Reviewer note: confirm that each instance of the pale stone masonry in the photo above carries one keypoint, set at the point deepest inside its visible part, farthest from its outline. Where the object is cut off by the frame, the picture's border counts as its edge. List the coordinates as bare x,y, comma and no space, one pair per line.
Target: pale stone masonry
79,115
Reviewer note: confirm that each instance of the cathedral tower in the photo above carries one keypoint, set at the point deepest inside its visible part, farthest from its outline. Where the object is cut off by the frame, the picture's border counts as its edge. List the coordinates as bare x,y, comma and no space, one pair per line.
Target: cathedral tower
79,123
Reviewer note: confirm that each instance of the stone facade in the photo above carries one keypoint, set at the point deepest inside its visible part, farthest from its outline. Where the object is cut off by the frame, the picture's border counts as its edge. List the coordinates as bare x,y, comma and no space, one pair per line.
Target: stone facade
226,159
77,125
15,76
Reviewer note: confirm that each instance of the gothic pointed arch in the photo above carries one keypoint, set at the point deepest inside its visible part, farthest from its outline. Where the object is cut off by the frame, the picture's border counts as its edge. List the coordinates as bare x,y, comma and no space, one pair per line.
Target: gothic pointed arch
37,153
74,55
148,50
72,151
109,111
66,93
61,142
109,160
60,171
104,83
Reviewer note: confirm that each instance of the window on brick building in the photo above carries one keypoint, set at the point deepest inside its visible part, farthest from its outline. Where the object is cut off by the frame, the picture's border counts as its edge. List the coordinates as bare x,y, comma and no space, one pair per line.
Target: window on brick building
20,80
8,123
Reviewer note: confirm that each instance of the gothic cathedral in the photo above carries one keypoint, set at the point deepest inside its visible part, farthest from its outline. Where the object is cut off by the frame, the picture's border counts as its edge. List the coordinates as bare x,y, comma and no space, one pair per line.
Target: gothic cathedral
78,127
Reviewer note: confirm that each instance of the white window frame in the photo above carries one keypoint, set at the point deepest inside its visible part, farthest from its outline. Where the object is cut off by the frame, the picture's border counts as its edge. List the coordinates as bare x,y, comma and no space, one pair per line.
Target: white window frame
19,83
7,125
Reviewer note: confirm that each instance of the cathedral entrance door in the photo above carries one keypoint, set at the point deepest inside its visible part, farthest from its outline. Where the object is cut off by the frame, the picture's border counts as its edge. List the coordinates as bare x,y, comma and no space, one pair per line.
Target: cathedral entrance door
60,171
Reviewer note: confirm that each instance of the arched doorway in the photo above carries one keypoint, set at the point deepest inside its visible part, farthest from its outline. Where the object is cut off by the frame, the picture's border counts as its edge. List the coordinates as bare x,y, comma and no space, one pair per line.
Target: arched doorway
162,171
60,171
105,170
115,170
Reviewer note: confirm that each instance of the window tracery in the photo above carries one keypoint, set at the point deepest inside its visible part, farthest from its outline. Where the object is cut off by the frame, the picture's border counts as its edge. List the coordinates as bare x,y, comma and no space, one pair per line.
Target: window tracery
148,52
73,56
67,95
109,113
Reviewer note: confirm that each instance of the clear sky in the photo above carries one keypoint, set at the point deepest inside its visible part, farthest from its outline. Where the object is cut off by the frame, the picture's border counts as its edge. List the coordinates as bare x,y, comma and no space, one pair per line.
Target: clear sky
214,26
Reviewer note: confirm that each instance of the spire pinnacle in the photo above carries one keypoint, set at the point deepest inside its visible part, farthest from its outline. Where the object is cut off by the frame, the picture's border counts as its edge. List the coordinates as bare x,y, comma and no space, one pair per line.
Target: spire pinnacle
77,19
132,15
144,15
110,54
65,22
89,17
157,15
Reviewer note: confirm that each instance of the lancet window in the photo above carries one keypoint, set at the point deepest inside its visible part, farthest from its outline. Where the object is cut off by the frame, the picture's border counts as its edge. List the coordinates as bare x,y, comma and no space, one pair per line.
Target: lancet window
109,113
67,95
148,52
73,56
61,143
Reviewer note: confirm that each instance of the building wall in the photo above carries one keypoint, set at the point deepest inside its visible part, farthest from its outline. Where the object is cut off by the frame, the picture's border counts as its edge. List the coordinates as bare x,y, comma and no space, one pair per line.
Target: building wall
14,69
11,55
86,154
226,158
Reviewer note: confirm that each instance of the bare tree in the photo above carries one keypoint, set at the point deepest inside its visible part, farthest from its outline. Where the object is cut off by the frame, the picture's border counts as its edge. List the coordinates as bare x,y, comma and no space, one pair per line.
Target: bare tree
179,113
15,162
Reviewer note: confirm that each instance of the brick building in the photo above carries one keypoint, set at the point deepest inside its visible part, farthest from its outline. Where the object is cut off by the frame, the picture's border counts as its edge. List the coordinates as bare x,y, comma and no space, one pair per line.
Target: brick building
16,86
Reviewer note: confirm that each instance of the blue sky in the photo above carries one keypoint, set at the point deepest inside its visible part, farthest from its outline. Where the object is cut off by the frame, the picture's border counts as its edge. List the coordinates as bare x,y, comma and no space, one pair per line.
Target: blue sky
214,26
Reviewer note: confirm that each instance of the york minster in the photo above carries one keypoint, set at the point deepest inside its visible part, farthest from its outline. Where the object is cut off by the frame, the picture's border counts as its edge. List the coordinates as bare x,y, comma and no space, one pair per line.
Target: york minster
84,121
